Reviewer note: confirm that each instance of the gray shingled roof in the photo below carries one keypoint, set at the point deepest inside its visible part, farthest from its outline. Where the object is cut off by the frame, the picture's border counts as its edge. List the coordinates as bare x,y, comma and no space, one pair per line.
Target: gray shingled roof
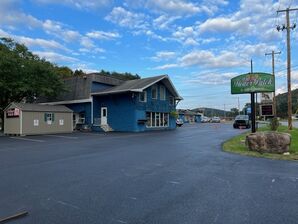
138,85
79,87
41,108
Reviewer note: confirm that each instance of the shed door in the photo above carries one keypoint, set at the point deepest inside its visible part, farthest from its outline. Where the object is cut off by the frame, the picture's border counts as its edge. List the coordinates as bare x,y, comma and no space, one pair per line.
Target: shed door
104,116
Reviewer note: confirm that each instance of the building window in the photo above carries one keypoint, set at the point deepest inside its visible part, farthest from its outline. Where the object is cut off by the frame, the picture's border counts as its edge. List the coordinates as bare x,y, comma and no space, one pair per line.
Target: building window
162,93
154,92
81,119
143,96
155,119
172,100
49,118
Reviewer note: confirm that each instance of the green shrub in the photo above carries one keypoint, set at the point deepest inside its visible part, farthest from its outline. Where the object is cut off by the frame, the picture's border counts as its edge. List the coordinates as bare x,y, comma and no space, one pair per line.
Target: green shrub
174,114
274,124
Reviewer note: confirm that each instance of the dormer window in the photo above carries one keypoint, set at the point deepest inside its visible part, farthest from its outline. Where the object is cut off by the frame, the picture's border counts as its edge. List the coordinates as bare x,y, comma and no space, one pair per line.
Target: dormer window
154,92
162,93
143,96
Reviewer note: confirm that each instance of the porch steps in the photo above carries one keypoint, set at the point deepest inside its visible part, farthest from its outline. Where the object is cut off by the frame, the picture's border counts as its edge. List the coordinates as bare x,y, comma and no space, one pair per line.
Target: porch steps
106,128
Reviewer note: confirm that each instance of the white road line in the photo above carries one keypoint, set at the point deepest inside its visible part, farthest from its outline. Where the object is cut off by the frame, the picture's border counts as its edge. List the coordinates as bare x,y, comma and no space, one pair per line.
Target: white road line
120,221
174,182
28,139
67,204
62,136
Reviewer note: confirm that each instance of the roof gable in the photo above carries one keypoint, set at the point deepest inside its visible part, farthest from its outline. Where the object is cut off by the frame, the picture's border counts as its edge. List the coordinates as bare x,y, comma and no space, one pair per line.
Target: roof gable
38,107
140,85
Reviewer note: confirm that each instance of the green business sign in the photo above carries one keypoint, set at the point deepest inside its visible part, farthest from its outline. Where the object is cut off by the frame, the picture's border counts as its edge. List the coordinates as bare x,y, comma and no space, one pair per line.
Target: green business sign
252,83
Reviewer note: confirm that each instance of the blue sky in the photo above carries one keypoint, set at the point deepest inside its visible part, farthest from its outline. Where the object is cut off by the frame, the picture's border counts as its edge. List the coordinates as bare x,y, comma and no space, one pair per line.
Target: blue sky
200,44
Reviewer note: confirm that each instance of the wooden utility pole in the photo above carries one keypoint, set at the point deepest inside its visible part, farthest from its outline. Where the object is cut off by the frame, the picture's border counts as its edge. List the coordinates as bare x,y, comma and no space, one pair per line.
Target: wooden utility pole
288,28
273,73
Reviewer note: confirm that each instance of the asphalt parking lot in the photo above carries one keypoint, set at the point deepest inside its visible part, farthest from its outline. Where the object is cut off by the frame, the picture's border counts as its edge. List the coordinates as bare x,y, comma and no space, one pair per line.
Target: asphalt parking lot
179,176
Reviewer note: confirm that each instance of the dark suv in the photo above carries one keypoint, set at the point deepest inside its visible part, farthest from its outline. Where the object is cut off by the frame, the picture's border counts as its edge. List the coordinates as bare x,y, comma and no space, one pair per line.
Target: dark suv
241,121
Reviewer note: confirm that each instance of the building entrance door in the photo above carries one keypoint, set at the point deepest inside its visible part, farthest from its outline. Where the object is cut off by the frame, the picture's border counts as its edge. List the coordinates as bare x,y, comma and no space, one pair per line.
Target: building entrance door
104,116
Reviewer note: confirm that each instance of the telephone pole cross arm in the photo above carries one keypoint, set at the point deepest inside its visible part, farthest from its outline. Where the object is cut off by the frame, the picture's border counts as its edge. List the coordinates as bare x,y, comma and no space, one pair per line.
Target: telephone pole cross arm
288,28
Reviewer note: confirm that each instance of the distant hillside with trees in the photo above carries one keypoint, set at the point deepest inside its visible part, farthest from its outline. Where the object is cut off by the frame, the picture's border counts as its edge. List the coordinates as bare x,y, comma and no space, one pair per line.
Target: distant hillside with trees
211,112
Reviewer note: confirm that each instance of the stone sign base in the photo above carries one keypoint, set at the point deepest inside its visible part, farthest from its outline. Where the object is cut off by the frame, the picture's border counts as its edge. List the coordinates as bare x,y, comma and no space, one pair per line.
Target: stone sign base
271,142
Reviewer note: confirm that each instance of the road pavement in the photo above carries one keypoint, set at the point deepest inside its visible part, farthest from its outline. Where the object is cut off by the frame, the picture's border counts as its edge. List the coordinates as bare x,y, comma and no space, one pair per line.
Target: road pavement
179,176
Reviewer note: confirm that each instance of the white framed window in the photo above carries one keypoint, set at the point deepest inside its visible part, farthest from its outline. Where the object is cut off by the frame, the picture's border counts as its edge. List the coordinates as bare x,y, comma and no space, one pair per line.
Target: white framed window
156,119
162,92
154,92
36,122
143,96
61,122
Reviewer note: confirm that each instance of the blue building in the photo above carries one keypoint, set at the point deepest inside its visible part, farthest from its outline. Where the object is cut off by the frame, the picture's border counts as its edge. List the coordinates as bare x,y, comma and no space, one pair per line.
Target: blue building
103,103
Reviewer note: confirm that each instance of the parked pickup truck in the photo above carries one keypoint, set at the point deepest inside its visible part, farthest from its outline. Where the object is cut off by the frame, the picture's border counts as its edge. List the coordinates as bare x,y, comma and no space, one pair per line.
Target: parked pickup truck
241,121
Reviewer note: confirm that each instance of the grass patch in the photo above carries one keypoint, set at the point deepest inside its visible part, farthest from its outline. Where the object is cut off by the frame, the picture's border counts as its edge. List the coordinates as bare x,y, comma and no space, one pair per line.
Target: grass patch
237,145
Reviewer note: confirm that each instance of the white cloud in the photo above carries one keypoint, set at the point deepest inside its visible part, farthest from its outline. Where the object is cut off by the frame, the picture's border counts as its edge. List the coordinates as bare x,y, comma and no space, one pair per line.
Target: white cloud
54,28
207,59
223,24
163,55
92,50
58,30
18,18
191,41
248,50
212,78
151,34
163,22
166,66
294,75
177,7
35,42
55,57
186,35
212,6
101,35
128,19
87,43
79,4
190,35
46,44
209,40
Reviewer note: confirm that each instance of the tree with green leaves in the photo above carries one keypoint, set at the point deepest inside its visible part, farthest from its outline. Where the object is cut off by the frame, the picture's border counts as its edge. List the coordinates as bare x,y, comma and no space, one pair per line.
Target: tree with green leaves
122,76
64,71
24,76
